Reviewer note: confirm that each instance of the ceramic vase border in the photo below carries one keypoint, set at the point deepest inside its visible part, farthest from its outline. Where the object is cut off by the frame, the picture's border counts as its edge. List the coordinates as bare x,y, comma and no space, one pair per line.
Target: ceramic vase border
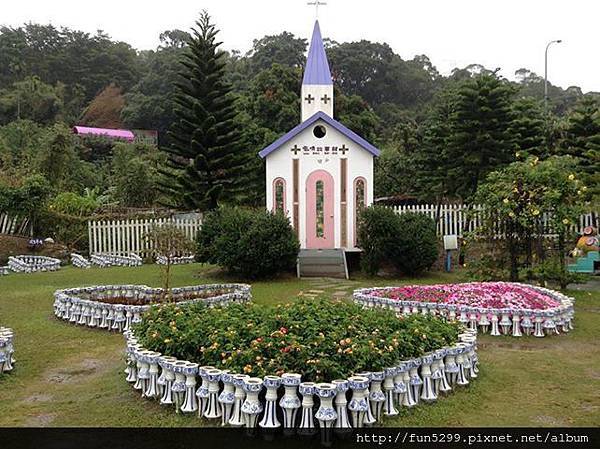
504,321
84,306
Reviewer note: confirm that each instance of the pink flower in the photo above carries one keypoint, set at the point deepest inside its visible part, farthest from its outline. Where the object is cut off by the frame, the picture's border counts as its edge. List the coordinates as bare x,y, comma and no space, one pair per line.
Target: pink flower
496,295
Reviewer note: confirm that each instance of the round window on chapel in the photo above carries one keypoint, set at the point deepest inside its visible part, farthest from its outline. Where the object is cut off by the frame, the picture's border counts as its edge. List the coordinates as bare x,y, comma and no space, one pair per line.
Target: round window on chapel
319,131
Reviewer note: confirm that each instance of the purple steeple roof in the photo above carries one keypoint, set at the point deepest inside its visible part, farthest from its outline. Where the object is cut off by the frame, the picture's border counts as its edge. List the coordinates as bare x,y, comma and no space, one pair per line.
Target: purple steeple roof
317,68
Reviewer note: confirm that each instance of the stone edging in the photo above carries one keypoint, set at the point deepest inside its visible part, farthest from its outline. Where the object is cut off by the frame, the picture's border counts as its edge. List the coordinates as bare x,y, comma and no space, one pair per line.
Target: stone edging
7,359
111,260
31,264
515,322
361,400
83,305
175,260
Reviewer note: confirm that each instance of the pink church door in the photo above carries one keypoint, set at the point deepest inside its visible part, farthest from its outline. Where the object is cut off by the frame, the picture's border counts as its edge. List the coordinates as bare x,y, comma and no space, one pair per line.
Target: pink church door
319,211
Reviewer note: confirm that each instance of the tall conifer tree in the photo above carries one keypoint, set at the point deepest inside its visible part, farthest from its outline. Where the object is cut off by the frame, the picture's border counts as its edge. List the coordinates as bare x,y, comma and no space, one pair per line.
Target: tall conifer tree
582,140
207,162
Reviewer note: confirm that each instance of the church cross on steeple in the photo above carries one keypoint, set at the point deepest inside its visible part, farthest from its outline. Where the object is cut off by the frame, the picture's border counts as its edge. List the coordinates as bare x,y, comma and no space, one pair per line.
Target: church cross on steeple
316,4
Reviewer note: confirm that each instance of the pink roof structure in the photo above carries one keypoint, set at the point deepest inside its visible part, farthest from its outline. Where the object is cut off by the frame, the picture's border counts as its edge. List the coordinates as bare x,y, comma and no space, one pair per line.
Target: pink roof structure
123,134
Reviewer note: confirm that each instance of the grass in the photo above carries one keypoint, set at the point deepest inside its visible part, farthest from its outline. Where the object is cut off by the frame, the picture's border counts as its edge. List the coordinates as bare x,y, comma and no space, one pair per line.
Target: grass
70,375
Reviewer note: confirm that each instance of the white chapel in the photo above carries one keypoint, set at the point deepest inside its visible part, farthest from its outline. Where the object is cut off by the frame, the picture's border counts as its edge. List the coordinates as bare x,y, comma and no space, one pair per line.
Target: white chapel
320,173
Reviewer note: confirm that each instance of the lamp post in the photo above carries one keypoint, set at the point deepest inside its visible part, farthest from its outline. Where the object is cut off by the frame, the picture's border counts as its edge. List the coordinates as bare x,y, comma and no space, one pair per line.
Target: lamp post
558,41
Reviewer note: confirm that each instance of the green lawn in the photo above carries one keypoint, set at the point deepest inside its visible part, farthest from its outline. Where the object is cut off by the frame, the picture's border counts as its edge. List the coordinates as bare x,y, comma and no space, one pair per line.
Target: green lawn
69,375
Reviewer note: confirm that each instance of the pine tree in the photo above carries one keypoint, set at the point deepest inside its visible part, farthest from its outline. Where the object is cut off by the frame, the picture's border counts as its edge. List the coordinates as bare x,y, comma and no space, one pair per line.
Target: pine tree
582,140
528,128
432,159
207,162
480,139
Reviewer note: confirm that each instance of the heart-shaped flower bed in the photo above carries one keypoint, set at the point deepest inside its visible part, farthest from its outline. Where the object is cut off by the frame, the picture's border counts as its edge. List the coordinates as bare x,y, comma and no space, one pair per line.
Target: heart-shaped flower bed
323,339
376,362
31,264
501,307
6,350
117,307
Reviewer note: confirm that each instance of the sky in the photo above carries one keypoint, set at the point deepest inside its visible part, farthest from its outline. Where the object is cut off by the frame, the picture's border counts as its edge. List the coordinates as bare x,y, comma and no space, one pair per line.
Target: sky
509,34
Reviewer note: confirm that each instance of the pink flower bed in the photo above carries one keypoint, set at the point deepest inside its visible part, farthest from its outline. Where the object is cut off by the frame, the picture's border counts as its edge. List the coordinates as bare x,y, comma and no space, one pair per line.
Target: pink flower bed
495,295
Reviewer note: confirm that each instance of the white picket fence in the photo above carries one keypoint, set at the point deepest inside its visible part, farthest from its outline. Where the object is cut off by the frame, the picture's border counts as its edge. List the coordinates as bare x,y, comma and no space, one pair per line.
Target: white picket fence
14,225
122,237
455,219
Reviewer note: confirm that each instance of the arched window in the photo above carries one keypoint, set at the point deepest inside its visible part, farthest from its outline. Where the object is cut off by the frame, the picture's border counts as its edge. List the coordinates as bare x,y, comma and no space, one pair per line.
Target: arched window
279,195
360,201
320,205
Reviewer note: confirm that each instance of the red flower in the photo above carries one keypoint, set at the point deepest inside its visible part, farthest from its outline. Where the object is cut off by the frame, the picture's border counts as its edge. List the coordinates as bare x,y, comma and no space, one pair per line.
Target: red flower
259,339
283,330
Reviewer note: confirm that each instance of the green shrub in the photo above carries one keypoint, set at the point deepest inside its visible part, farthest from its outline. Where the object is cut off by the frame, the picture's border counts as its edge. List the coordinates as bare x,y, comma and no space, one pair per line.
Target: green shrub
378,228
407,241
415,248
71,203
250,243
322,339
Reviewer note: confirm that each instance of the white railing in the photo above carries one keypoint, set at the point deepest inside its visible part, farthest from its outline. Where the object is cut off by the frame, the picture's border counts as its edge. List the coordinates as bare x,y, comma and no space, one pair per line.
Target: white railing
14,225
123,237
459,218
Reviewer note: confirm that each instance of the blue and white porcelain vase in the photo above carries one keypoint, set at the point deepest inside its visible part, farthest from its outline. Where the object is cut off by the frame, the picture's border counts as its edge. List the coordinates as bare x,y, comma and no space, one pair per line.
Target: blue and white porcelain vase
213,409
399,385
252,407
237,417
202,391
290,402
516,324
505,321
415,380
408,399
226,397
269,420
152,390
388,390
451,368
428,392
326,414
376,395
190,404
495,330
143,375
178,387
307,390
527,322
162,382
358,405
341,404
461,374
484,322
538,320
169,378
369,418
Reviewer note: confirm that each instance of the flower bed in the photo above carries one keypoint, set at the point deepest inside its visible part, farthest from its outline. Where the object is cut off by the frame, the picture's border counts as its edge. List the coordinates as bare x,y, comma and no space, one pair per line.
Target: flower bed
31,264
110,260
117,307
77,260
6,350
181,260
377,363
501,308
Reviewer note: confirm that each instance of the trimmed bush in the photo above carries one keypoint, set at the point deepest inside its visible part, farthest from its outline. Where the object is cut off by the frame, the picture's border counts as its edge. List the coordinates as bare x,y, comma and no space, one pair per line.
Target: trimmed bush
251,243
320,338
407,241
378,228
415,249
